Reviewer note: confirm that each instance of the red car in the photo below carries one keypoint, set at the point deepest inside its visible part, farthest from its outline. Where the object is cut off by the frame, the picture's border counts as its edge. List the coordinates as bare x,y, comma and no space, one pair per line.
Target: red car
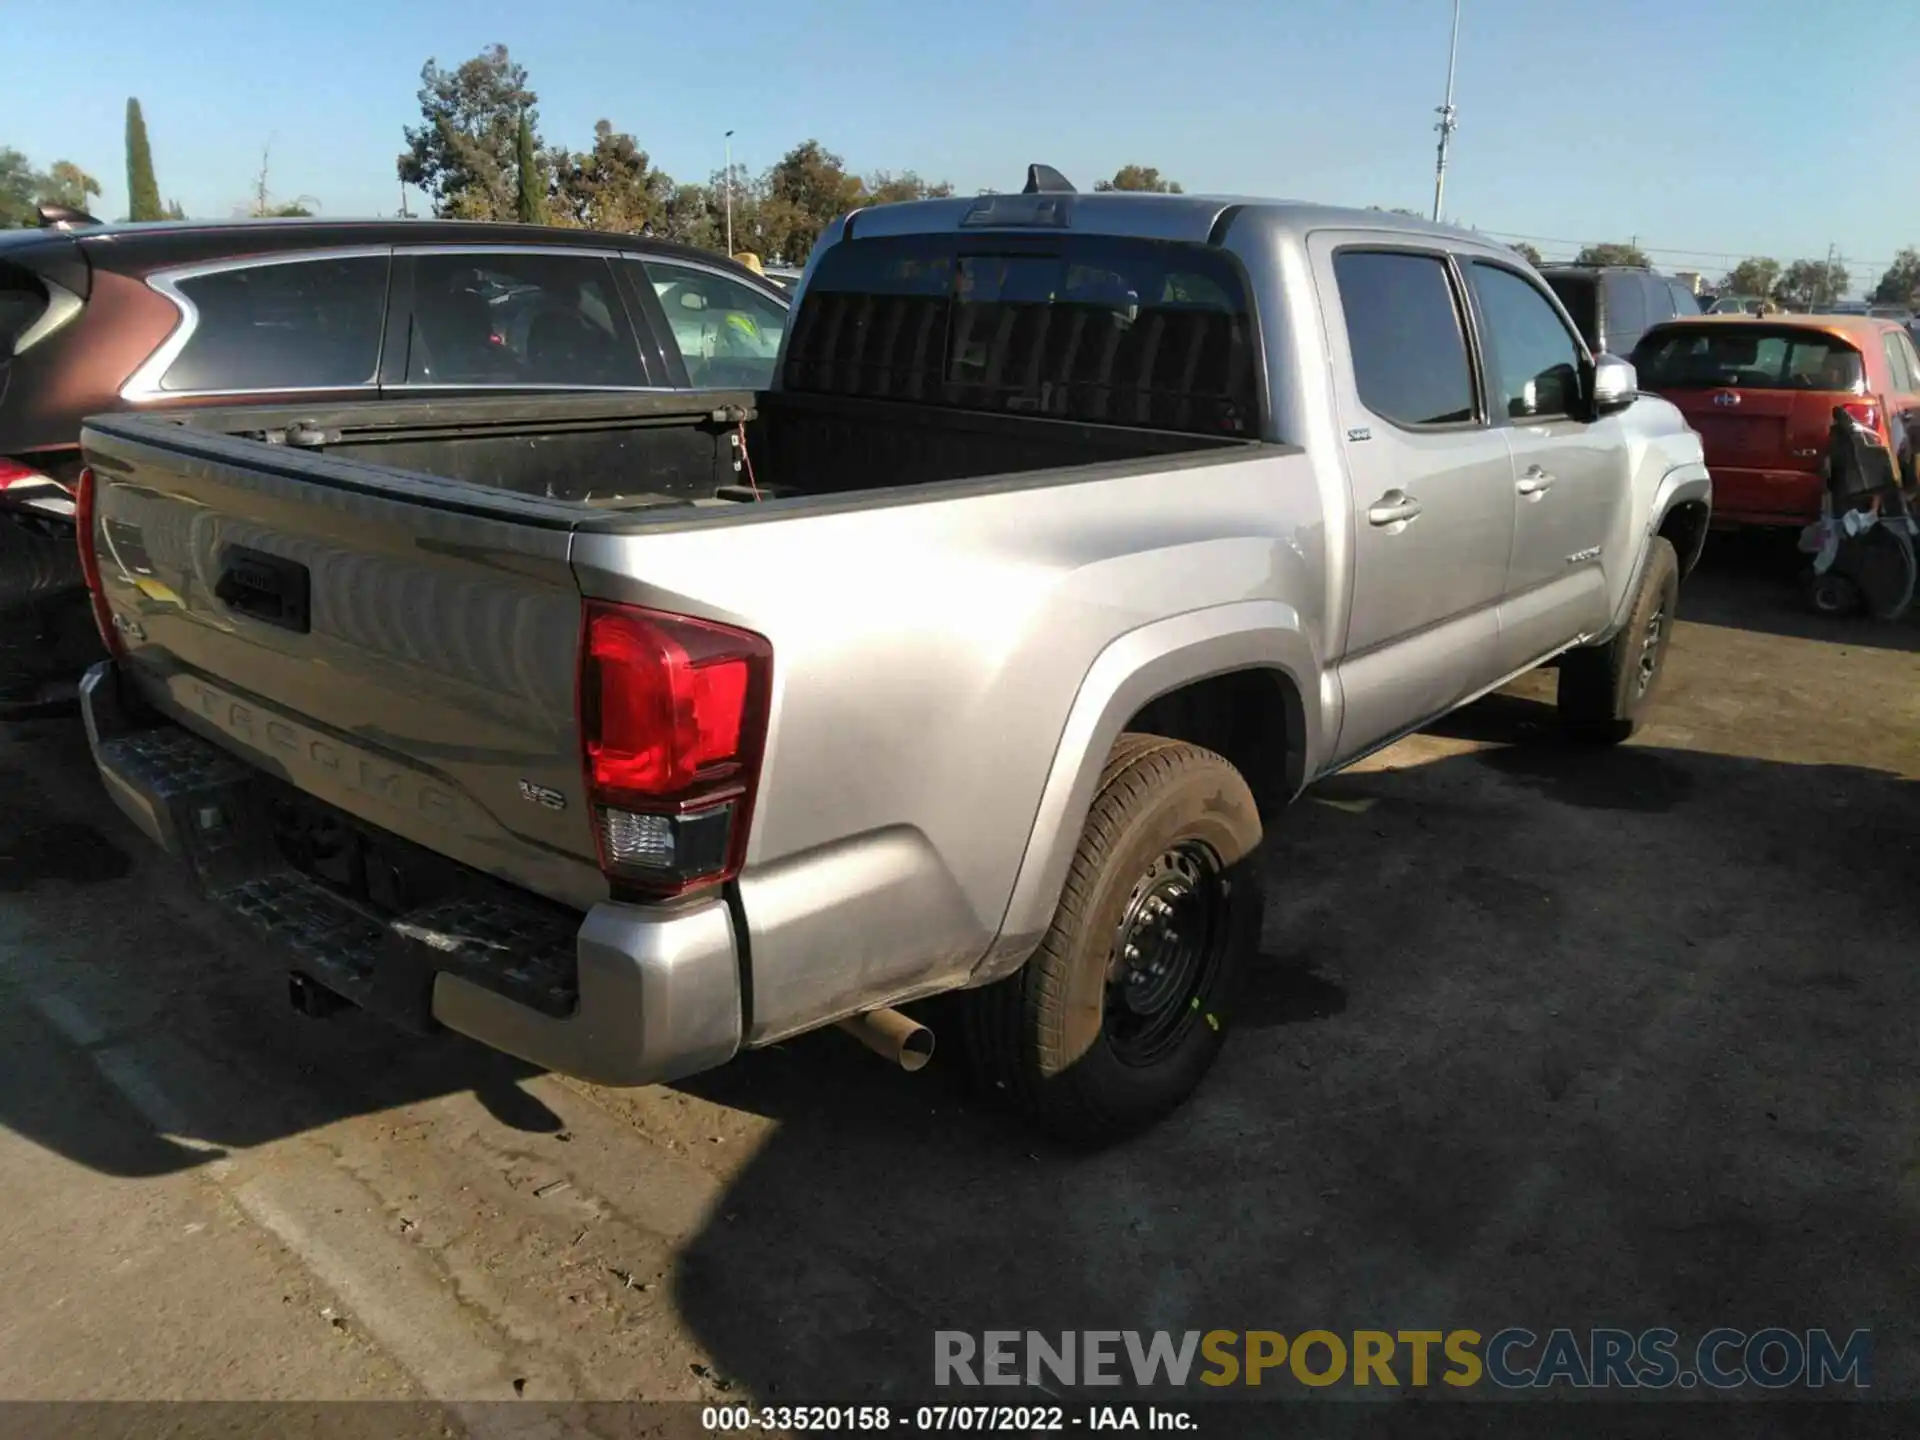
1761,390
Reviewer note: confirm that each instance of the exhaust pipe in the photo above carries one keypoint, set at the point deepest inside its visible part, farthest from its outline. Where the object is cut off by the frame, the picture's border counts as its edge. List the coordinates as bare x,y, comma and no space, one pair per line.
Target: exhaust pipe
892,1036
312,999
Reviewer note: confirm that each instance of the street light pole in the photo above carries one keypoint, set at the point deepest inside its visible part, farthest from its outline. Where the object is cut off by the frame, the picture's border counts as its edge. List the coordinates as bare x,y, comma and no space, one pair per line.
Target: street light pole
1447,119
729,192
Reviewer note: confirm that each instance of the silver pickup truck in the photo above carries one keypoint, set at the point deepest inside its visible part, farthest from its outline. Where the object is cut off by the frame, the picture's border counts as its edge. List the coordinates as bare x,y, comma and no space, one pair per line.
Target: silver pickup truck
1077,535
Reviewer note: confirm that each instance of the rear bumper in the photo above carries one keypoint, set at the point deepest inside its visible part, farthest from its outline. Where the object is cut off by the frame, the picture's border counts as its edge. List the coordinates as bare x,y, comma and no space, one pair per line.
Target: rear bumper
1745,497
626,995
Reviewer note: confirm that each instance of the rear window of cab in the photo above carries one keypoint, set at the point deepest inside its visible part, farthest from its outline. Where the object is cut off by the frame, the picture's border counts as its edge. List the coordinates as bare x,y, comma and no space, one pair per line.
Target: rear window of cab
1747,357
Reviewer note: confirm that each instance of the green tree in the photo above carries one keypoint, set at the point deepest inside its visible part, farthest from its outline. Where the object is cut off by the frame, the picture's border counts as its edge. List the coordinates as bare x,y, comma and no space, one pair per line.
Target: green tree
1611,252
1901,283
143,191
885,188
530,195
1528,253
1812,284
18,183
463,154
1755,275
614,186
67,184
1139,177
805,189
691,215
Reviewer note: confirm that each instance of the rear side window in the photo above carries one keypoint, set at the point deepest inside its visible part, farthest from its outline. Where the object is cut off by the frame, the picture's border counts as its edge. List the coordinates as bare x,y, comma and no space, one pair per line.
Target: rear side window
1897,362
1626,314
310,324
1403,329
1747,357
1579,293
727,332
1104,329
21,303
513,319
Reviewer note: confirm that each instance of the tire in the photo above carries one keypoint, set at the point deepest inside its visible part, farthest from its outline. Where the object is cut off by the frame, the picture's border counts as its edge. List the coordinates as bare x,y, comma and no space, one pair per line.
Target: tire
1831,594
1093,1047
1882,567
1604,689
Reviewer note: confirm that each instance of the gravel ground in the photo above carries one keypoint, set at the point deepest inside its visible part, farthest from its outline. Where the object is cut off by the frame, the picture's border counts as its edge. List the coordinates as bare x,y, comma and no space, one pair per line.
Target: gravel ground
1546,1037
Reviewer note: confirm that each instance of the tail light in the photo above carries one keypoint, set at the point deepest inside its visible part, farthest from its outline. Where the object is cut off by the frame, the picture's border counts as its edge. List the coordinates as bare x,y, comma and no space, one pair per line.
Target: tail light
83,511
673,716
1866,413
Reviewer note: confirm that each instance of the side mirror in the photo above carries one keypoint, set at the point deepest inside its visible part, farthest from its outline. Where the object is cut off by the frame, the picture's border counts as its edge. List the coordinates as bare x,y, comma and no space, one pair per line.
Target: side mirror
1616,385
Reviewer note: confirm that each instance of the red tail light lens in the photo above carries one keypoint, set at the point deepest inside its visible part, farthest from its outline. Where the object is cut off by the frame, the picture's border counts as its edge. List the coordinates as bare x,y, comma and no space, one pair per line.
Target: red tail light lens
12,472
83,512
673,714
1865,412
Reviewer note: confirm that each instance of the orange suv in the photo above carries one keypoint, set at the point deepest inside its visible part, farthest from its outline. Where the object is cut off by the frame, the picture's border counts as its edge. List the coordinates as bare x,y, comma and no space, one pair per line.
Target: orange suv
1761,390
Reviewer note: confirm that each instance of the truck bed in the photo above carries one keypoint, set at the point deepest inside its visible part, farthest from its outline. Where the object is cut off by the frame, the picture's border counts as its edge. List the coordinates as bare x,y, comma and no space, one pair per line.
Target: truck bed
635,452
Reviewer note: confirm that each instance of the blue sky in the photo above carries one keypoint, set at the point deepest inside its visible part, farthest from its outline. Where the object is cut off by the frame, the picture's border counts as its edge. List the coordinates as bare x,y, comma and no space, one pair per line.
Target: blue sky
1700,126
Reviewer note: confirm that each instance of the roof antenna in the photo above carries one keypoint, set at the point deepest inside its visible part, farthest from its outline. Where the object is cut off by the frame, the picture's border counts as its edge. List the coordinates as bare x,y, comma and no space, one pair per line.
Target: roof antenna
62,217
1045,180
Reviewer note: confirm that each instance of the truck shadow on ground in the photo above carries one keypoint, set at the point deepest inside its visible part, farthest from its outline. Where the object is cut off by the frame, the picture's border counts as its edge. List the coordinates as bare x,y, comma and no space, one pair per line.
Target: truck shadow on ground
1608,1045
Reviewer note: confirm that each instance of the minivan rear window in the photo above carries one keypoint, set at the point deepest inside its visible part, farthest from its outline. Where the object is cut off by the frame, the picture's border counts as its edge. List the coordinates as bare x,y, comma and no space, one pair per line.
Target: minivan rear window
1106,329
22,302
1747,357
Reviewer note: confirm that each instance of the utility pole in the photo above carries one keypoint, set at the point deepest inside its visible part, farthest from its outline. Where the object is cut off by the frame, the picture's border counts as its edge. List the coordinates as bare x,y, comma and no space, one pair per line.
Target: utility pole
1447,119
729,192
405,214
1831,247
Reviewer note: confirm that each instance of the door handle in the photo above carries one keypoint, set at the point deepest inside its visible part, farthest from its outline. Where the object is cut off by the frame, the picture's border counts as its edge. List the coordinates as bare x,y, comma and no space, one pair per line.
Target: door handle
1535,483
1393,507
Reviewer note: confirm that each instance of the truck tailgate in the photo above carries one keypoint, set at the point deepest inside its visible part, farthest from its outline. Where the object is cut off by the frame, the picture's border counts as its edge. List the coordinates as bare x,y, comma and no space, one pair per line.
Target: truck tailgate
401,647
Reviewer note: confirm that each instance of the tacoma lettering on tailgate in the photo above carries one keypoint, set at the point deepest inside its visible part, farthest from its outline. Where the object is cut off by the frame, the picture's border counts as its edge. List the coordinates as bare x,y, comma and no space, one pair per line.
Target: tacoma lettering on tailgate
328,764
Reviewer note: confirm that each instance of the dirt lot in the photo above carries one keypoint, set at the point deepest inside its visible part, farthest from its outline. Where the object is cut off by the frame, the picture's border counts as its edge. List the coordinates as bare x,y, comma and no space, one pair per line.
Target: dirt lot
1547,1038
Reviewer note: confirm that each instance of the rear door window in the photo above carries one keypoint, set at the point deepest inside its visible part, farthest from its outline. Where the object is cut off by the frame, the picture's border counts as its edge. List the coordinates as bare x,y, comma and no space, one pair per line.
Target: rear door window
519,318
309,324
1747,357
1096,328
1405,335
728,333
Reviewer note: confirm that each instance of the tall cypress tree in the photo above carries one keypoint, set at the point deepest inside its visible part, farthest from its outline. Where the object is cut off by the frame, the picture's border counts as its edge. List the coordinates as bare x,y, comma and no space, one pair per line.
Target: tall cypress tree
530,205
143,191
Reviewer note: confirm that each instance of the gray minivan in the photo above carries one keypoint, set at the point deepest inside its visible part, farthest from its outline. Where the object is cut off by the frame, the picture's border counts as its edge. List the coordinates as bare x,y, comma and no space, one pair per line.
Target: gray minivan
1614,305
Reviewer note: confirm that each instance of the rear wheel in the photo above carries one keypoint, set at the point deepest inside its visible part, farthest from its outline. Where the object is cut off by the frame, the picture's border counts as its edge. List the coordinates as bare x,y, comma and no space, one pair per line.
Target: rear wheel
1604,689
1123,1008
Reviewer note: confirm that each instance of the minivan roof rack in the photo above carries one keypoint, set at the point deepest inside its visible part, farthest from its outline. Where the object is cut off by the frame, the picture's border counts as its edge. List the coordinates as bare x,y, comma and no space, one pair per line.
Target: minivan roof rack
1045,180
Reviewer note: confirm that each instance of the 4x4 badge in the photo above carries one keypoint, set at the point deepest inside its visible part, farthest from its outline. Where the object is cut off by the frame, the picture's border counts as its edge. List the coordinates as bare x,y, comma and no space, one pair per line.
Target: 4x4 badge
542,795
